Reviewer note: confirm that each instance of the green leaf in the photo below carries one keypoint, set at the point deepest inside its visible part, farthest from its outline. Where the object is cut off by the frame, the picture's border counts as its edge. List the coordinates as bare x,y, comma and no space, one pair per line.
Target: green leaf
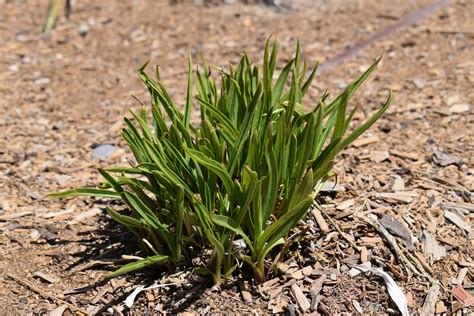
215,167
137,265
189,95
127,221
287,221
230,224
85,192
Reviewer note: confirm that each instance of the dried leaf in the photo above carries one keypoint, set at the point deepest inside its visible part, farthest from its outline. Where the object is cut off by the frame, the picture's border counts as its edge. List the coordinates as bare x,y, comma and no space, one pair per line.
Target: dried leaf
301,299
397,228
393,290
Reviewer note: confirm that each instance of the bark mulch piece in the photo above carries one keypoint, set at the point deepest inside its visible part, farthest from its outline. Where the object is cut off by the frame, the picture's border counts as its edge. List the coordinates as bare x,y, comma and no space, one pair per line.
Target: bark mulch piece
402,201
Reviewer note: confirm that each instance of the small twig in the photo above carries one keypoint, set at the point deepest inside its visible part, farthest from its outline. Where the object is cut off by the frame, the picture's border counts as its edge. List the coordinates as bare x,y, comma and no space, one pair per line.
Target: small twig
392,242
424,264
448,184
44,294
323,226
430,300
339,230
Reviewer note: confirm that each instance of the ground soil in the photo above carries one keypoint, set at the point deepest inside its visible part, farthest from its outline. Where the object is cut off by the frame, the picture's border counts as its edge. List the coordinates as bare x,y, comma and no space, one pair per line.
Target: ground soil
62,96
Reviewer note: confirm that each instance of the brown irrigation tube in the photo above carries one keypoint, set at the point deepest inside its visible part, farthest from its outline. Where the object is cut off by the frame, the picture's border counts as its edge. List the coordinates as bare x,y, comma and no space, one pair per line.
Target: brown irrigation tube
405,22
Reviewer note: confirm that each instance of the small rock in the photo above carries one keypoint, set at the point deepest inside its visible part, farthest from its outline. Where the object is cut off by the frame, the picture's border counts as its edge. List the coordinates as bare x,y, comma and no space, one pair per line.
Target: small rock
14,68
103,151
84,28
442,159
35,235
333,277
331,187
42,82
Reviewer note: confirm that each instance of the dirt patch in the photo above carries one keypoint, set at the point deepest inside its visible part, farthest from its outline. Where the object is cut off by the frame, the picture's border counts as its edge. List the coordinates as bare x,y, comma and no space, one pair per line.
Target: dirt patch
64,96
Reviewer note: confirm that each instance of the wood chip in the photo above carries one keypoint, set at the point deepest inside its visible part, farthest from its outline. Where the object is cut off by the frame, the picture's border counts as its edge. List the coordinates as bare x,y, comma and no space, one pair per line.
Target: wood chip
370,241
410,301
60,213
398,184
357,307
100,294
14,216
461,276
314,291
44,294
301,299
459,108
440,308
355,272
270,283
297,275
345,204
379,156
425,264
58,311
46,277
247,296
365,141
463,296
320,220
392,242
364,254
456,206
428,308
404,196
85,215
398,229
456,220
308,270
411,156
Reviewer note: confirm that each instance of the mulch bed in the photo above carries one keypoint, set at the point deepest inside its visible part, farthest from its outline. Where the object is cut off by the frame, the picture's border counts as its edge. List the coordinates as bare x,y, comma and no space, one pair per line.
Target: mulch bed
402,200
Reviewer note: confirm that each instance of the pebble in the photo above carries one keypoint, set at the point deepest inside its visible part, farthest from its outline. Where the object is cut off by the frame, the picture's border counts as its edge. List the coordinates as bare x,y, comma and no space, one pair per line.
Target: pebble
14,68
84,29
42,81
35,235
103,151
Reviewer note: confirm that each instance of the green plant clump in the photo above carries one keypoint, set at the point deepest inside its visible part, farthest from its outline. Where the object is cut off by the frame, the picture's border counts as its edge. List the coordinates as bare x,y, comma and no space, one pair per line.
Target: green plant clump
234,186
